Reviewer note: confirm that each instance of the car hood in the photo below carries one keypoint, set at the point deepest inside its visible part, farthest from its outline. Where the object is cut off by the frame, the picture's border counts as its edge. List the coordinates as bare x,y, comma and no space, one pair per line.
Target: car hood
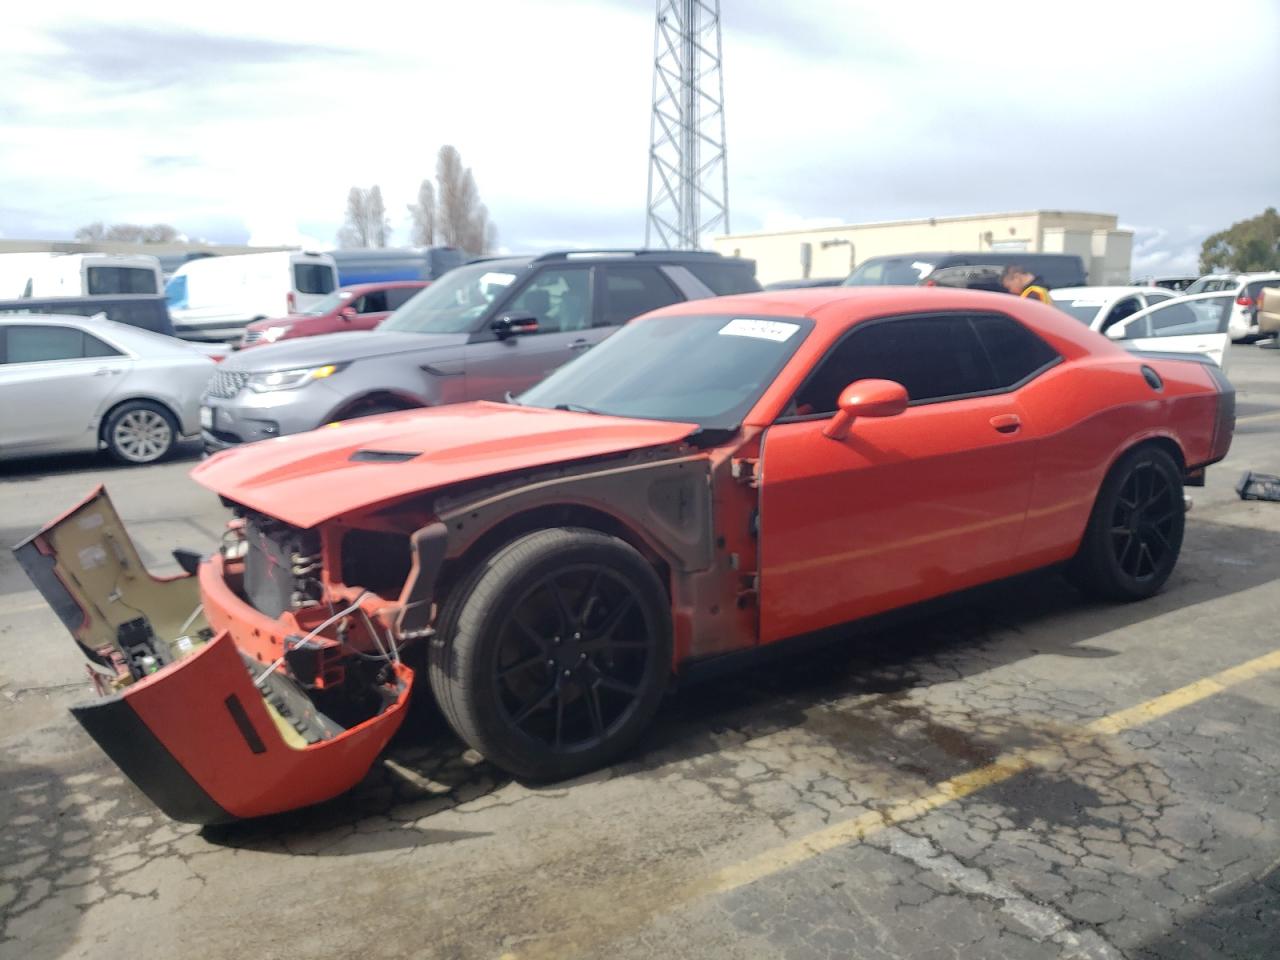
336,348
311,477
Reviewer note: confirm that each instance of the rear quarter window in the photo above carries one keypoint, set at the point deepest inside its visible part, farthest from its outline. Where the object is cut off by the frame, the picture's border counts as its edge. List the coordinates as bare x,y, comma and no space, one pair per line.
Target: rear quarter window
724,278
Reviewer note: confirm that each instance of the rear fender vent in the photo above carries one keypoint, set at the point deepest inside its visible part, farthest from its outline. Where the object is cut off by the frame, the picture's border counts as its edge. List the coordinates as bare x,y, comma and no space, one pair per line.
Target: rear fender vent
383,456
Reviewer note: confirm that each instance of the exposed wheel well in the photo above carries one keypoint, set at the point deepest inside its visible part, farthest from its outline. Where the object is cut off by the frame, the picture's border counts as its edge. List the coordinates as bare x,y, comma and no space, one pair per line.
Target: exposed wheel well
106,417
1166,444
540,518
381,398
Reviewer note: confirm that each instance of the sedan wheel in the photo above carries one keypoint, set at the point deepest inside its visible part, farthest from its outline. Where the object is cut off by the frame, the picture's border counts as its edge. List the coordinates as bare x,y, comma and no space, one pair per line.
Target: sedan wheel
555,654
140,432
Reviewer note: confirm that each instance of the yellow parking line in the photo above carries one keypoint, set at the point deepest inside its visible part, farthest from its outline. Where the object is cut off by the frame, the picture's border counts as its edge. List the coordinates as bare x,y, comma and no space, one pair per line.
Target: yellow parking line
841,834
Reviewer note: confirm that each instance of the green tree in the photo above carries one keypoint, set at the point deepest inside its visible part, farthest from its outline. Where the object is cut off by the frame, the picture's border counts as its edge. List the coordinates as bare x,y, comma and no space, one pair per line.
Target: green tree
1249,246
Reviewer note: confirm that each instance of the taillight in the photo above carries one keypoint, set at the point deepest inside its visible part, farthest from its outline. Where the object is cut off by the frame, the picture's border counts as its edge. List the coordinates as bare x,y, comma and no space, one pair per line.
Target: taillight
1244,301
291,302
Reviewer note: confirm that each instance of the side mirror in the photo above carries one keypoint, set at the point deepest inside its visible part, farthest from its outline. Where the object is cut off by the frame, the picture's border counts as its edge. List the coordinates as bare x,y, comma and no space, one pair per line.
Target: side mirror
1116,331
347,313
514,324
866,398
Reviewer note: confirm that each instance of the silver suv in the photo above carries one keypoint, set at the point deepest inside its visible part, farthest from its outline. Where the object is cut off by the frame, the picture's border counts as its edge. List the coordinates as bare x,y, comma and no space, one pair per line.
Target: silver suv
480,331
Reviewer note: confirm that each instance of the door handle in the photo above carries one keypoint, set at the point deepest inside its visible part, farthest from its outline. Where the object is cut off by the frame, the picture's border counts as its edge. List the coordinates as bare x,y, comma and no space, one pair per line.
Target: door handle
580,345
1007,423
105,372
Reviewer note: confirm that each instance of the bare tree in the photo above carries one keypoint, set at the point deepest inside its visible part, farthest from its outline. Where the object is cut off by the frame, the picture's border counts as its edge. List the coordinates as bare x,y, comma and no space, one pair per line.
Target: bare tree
91,232
462,219
423,215
379,227
127,233
366,223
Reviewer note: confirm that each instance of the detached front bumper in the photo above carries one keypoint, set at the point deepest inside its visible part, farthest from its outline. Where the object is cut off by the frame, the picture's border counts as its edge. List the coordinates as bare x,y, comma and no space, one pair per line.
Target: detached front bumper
204,727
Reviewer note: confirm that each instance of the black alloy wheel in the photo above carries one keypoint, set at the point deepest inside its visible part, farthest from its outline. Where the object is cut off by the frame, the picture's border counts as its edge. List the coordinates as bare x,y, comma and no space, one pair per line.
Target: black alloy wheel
553,657
1142,523
1134,536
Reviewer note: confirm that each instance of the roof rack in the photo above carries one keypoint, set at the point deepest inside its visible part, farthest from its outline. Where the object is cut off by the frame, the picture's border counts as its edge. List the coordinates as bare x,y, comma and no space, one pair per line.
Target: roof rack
622,252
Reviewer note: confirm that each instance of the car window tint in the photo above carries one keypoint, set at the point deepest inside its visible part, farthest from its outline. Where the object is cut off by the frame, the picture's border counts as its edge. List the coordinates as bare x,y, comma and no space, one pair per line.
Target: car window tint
373,302
93,347
399,296
1121,311
106,280
559,297
36,344
631,291
313,278
1014,351
724,278
933,357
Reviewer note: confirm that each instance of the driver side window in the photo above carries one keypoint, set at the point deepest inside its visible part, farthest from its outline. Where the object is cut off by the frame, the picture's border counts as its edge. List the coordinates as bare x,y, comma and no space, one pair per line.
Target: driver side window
559,297
933,357
1123,310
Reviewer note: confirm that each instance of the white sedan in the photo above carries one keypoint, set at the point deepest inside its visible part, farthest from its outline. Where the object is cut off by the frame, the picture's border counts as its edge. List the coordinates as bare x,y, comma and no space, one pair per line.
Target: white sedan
85,383
1100,308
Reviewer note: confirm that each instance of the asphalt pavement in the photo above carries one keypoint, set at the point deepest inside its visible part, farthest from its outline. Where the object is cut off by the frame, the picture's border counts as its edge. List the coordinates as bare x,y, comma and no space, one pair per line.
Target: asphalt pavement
1026,775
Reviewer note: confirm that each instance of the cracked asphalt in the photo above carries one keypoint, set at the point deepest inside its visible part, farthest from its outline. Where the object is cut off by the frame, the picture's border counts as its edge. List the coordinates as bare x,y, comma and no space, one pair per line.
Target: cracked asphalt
972,784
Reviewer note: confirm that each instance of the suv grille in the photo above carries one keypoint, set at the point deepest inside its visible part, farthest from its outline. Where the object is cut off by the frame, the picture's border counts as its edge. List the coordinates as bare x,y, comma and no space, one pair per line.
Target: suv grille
227,383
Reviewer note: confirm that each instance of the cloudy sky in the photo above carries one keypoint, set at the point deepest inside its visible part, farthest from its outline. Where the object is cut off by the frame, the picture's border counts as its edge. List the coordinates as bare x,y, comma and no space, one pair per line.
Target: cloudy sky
240,121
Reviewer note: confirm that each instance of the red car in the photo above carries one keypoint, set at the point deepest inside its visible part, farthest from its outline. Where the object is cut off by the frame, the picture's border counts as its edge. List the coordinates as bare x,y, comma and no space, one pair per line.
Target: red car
717,476
361,306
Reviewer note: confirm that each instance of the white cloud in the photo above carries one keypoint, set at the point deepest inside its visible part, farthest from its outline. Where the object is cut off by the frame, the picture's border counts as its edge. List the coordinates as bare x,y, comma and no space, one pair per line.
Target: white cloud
242,120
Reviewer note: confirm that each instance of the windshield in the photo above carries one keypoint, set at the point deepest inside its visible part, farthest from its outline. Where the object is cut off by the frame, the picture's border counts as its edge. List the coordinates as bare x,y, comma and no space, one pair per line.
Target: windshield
1083,310
889,271
453,303
330,302
708,370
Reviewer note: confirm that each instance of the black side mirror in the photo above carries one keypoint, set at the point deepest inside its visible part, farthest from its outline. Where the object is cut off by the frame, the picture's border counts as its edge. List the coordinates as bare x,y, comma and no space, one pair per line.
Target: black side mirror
514,324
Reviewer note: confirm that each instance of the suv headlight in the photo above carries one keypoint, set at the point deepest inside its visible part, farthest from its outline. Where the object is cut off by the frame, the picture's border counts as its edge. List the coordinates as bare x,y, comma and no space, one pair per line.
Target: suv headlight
291,379
272,334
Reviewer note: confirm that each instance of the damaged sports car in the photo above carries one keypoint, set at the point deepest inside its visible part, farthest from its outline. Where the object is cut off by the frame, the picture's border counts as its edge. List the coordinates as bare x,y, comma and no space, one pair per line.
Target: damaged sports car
718,476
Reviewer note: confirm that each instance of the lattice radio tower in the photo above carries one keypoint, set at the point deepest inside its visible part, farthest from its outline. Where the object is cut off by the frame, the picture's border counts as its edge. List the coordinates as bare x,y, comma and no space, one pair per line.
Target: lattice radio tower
688,176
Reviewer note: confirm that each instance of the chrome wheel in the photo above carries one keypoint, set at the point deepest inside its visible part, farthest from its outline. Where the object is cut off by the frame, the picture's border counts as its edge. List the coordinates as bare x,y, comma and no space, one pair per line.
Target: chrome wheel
141,435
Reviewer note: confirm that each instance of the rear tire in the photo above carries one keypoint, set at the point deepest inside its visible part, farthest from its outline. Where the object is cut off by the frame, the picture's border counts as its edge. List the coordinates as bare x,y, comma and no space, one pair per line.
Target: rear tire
140,432
553,655
1134,535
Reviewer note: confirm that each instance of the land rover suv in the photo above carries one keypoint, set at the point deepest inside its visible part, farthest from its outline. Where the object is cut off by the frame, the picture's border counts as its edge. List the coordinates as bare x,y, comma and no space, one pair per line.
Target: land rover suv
482,330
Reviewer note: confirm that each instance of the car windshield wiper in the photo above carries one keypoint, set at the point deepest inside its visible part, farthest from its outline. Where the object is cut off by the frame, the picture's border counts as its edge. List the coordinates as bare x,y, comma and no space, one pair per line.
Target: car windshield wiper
575,408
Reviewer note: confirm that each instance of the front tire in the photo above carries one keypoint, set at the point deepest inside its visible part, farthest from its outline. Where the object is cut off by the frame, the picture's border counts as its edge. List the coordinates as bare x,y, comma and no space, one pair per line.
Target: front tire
1134,536
552,656
140,432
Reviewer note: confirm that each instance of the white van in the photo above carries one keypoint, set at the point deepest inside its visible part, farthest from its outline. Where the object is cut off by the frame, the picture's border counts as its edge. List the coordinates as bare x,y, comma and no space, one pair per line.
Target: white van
92,275
16,269
213,298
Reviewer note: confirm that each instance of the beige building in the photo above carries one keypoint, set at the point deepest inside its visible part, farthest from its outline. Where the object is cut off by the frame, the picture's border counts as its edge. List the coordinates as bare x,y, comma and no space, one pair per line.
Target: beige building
834,251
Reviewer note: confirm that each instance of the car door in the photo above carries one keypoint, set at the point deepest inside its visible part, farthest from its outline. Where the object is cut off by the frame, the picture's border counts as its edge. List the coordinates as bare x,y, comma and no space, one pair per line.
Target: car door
1196,324
53,381
907,507
560,297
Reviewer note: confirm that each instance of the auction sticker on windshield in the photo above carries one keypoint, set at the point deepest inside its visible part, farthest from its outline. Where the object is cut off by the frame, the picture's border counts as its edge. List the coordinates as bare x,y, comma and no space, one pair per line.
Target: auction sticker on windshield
775,330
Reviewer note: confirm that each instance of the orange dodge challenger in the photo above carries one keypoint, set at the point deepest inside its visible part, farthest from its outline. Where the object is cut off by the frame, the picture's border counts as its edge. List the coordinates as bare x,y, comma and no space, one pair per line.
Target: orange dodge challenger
718,476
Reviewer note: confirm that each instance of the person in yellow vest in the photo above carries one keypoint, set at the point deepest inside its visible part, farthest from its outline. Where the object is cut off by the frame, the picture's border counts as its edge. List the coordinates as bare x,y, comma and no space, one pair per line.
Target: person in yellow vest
1021,282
